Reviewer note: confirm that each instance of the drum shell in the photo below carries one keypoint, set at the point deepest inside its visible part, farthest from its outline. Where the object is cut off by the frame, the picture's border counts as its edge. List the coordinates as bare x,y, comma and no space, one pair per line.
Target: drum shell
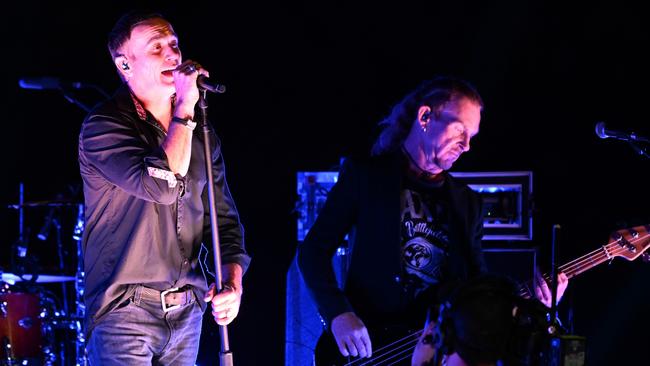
20,325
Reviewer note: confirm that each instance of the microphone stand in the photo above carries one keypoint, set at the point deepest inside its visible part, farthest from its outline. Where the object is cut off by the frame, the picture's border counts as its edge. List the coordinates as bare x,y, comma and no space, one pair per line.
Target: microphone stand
21,213
549,355
80,308
225,356
553,326
75,101
60,253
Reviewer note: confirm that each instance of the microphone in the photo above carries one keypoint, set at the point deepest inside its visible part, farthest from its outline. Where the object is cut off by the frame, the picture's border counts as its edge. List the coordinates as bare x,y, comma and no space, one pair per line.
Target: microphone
604,133
43,83
205,84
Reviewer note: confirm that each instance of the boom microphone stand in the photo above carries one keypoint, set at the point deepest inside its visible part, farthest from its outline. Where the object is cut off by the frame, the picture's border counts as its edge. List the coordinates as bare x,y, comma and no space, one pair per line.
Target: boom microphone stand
225,356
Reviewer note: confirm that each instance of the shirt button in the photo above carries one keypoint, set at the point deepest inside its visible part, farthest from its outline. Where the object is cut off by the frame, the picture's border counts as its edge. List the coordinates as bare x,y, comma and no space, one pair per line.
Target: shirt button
397,279
186,261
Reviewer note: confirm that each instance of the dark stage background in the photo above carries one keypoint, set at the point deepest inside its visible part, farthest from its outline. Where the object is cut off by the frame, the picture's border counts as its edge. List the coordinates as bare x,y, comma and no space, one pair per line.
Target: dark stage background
307,83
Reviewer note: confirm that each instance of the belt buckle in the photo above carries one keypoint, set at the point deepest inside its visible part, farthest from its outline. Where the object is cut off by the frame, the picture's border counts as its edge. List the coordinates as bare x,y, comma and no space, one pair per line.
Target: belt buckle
166,308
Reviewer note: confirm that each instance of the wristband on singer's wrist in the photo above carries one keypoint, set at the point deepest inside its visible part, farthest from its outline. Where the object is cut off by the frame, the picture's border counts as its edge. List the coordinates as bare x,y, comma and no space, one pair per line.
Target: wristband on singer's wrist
185,122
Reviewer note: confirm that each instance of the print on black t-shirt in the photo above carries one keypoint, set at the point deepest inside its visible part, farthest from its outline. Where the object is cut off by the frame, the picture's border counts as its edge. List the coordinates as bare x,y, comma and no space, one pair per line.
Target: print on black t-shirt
425,239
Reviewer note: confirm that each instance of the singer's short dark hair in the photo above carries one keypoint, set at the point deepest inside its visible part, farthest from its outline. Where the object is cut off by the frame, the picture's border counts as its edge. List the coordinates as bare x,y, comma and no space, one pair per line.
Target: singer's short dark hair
121,31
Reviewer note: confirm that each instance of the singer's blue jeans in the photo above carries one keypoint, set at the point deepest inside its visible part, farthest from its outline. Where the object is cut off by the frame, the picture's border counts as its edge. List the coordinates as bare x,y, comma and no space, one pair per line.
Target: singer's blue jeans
140,333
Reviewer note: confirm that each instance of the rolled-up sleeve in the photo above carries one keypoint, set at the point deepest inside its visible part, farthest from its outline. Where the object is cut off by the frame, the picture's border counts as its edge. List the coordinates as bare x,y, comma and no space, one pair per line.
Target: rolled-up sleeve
113,149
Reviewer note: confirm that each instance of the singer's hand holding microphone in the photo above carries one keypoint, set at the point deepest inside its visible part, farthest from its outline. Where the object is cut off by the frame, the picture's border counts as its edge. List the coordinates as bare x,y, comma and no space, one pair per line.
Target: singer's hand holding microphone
202,80
186,84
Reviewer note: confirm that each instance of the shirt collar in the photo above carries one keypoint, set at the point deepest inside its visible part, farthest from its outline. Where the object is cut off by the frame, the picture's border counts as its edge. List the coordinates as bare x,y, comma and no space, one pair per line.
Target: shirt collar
142,113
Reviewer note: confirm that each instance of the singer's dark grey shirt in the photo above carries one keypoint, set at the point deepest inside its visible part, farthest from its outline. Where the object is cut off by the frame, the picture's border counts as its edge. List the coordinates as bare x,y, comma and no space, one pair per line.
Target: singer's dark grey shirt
145,226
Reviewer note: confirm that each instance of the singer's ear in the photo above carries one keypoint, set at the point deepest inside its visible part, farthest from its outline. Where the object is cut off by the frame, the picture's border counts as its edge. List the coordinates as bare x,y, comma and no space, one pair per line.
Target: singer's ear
123,68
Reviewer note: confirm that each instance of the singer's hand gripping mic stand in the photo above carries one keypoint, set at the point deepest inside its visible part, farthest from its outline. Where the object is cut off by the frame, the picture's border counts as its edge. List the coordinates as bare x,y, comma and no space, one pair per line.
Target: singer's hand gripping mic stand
225,356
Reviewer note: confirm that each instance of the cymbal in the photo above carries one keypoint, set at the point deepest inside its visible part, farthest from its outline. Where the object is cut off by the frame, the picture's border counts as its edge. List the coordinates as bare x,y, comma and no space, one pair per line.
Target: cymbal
42,278
49,203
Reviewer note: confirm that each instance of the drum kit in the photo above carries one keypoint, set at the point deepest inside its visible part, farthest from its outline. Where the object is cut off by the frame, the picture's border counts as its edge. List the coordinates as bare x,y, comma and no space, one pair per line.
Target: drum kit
38,323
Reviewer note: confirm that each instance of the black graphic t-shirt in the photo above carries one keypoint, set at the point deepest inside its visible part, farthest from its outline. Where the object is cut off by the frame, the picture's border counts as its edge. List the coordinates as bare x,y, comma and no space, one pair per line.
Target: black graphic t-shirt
425,235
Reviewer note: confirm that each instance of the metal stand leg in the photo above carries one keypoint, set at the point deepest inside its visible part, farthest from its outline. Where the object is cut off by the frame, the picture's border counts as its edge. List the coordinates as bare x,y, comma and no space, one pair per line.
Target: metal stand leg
80,307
